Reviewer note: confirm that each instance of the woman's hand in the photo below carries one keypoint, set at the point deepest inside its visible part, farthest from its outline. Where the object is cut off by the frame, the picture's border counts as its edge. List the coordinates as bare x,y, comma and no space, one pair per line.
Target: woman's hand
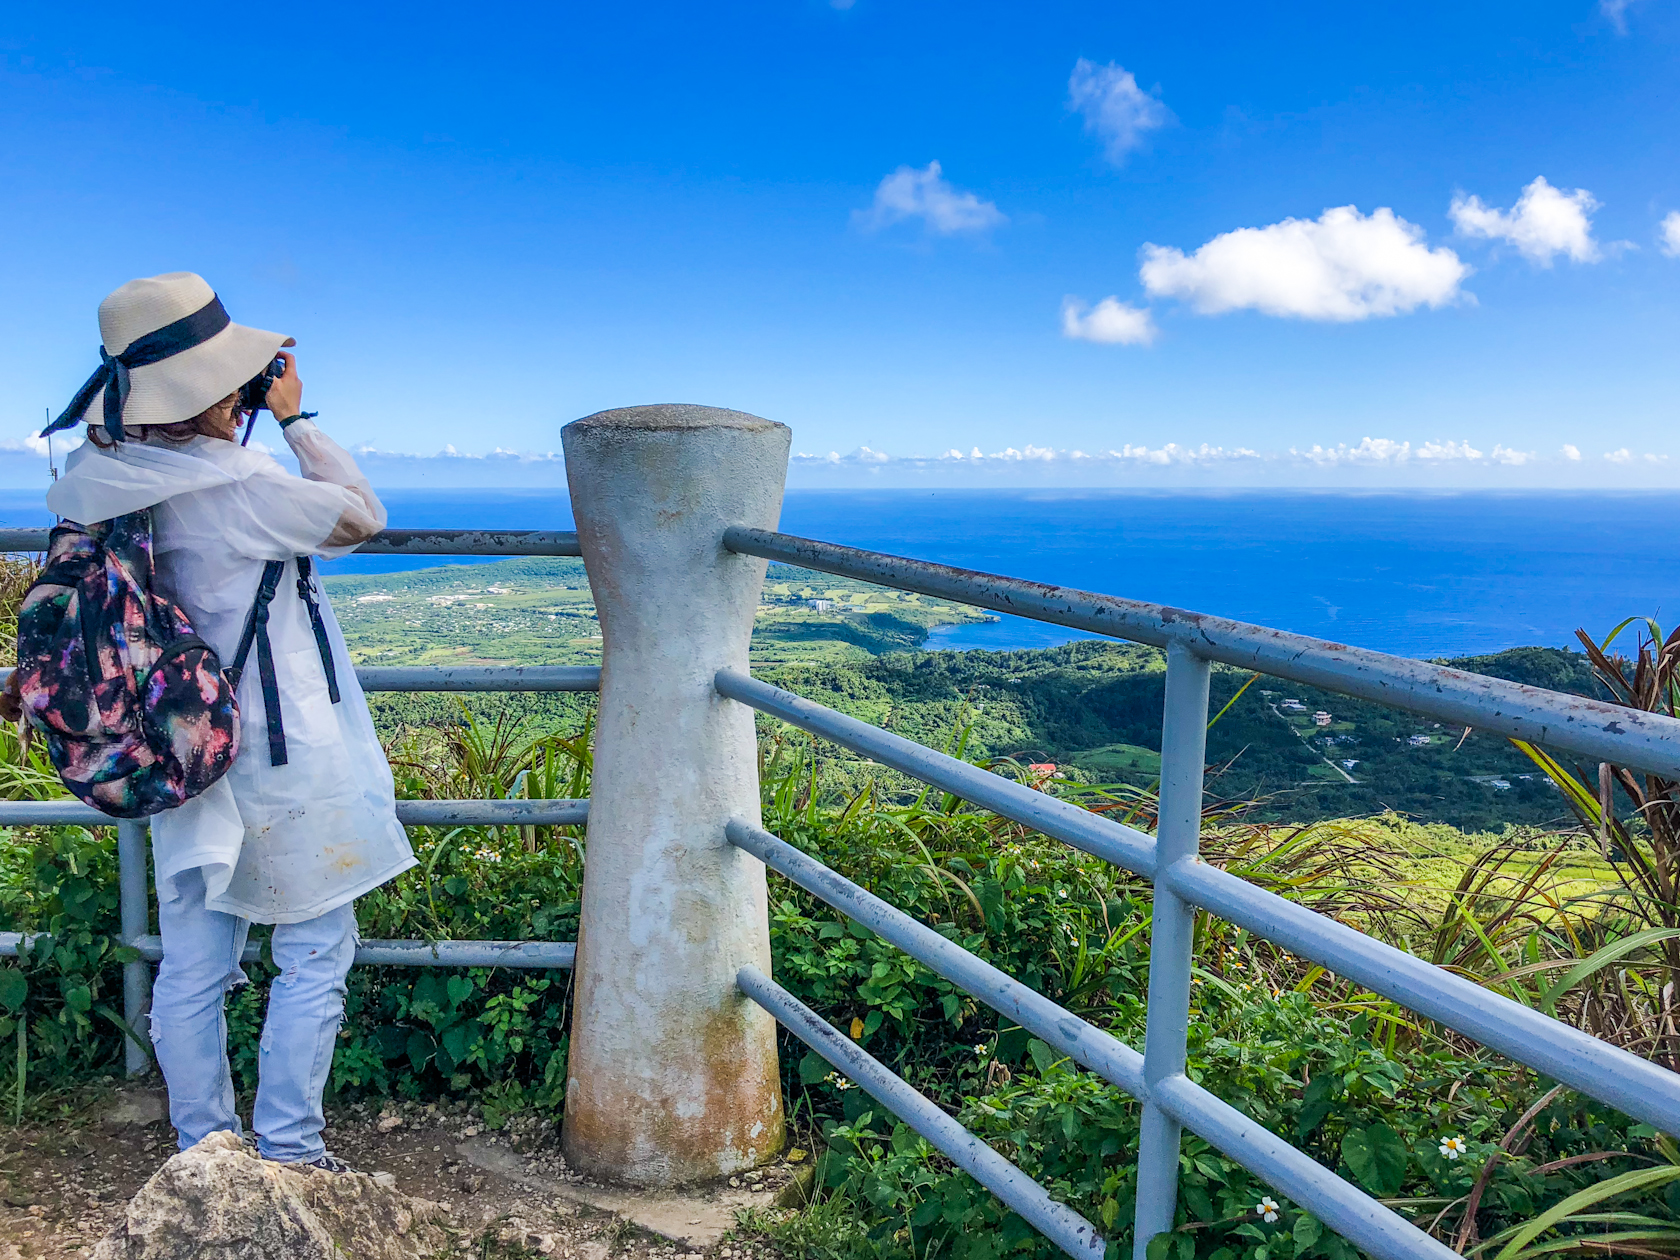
285,395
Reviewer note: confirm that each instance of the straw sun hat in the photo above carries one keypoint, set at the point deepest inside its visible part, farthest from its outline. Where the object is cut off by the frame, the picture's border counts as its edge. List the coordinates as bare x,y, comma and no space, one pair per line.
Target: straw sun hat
169,352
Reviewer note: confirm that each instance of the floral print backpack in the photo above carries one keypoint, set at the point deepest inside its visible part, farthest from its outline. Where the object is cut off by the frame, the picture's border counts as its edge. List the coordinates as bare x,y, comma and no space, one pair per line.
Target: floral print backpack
136,710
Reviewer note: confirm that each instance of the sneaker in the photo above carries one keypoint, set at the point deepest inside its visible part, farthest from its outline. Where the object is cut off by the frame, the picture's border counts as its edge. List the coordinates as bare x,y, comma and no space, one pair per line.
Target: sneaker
326,1162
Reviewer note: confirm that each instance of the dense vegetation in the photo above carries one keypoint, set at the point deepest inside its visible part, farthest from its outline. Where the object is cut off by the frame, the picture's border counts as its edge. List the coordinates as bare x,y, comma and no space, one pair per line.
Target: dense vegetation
1094,706
1455,1138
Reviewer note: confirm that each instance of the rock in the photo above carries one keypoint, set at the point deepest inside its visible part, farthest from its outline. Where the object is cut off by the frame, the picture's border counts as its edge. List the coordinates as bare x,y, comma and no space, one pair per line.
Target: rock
385,1180
136,1106
387,1123
797,1192
216,1202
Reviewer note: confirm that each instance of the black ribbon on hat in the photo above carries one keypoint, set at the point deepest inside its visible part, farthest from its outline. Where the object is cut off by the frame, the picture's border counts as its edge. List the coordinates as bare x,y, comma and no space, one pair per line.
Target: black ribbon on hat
112,373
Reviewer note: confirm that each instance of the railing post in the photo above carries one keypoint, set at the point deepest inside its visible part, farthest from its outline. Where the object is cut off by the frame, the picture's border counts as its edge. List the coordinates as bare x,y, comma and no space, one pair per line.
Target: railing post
1177,835
673,1075
135,909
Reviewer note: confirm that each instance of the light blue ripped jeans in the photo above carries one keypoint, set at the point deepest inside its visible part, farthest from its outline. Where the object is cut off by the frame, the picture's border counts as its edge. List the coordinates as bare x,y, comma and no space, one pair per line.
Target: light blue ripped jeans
201,950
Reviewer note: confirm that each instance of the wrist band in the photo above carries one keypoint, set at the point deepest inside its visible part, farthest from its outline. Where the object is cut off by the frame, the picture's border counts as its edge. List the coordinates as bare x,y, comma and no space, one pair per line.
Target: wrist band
302,415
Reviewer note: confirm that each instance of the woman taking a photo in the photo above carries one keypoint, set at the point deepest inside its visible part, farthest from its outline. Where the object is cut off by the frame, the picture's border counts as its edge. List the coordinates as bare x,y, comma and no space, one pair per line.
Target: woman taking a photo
304,821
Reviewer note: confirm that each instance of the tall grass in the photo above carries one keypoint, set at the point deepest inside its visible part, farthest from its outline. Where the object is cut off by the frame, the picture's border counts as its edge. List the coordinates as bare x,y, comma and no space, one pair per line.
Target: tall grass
1617,949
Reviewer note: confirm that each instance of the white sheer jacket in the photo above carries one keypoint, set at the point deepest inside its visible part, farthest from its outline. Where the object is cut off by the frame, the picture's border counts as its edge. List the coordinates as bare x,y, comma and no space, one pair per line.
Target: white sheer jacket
277,844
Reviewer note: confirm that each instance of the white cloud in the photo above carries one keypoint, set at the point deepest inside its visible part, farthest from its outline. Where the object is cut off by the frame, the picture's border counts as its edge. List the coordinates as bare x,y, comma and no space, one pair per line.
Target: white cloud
1173,453
1342,266
1386,451
1447,451
1544,223
1668,234
1616,11
925,194
1368,451
1110,322
32,444
1115,107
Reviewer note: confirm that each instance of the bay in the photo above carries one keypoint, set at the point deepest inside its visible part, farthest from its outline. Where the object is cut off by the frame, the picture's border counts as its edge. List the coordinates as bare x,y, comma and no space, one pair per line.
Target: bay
1415,574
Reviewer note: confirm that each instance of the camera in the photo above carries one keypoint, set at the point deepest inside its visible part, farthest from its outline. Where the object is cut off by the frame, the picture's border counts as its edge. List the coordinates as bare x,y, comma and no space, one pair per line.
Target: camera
253,395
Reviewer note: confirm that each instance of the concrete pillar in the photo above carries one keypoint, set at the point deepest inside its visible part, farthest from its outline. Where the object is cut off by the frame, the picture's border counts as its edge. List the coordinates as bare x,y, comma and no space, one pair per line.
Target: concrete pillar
672,1077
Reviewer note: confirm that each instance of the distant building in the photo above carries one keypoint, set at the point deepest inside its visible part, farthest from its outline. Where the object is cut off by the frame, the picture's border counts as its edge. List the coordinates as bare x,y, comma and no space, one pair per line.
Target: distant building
1500,785
1418,741
1294,706
1348,763
820,605
1321,718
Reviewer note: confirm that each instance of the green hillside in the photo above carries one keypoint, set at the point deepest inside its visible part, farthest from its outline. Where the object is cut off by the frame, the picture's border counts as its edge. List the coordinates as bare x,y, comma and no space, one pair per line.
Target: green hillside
1091,707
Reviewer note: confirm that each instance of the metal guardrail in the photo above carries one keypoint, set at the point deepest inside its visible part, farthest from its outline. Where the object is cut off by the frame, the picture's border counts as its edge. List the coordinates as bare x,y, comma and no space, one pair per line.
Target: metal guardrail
469,677
401,542
131,836
1184,883
1056,1221
544,954
473,813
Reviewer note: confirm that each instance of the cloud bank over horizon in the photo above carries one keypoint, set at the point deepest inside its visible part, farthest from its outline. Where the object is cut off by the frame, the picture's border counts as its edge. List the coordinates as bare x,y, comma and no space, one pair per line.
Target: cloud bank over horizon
1368,461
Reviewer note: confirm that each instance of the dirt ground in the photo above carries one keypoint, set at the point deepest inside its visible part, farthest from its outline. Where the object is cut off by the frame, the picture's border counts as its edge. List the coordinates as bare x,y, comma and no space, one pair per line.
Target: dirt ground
65,1182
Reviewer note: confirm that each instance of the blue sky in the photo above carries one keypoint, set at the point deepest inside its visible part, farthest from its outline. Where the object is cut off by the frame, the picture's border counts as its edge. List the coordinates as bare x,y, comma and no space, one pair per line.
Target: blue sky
481,223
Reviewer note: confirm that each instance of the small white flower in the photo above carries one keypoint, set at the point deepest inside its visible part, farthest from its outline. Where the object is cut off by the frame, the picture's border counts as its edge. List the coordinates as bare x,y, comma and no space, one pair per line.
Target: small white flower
1454,1148
843,1083
1267,1209
1062,893
980,1050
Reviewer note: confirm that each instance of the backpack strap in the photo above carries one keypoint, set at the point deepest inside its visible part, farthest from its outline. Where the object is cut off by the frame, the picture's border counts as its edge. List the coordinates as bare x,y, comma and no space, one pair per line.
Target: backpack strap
306,592
256,631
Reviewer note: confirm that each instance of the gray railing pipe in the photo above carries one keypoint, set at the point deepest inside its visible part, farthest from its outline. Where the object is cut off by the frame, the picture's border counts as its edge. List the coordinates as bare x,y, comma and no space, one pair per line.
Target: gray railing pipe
515,813
472,813
1114,842
541,955
1591,728
468,677
404,542
1084,1044
1172,927
1577,1059
135,912
471,542
1342,1206
479,678
1057,1222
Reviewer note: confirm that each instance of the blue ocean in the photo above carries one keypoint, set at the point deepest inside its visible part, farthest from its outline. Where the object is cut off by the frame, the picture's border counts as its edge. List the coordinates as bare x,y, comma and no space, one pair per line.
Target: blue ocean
1414,574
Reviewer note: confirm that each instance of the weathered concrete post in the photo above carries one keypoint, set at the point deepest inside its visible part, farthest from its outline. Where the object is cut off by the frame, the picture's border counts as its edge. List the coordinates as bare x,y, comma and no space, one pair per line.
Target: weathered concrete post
672,1076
